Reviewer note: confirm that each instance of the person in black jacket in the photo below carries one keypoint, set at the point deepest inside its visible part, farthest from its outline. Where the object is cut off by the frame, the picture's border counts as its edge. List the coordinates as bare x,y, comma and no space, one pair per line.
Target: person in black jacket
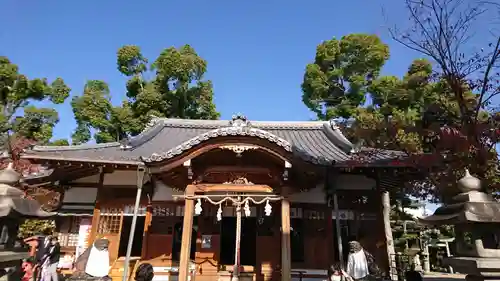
43,245
51,259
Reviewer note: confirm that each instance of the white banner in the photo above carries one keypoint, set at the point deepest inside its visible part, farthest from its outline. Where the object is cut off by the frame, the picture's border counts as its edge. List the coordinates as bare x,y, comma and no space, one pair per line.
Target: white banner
83,233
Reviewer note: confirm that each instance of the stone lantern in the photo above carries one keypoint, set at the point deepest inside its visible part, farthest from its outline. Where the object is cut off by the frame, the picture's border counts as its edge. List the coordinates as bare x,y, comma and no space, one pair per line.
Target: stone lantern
476,218
14,208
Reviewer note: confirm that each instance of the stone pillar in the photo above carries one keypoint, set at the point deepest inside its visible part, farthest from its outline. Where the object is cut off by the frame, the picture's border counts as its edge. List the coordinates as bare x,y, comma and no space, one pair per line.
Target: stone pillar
286,257
187,226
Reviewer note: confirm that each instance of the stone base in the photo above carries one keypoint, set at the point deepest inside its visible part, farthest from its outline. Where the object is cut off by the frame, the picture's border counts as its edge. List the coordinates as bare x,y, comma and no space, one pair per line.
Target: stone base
228,276
477,269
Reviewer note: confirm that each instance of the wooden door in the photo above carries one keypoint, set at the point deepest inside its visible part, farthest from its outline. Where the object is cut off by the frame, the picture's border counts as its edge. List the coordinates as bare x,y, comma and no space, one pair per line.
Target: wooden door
109,227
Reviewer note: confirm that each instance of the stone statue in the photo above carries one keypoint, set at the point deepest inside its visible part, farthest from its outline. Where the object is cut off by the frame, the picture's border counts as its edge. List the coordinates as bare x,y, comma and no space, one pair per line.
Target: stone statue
416,263
13,209
360,263
93,263
475,214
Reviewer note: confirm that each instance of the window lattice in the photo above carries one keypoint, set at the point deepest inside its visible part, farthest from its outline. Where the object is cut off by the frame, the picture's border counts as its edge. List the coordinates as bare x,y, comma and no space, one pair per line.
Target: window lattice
109,224
68,239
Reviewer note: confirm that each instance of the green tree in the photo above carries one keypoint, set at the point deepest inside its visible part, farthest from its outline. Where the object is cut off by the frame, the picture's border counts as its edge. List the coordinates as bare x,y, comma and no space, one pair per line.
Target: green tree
36,123
95,113
335,83
31,227
414,114
175,89
461,127
17,94
59,142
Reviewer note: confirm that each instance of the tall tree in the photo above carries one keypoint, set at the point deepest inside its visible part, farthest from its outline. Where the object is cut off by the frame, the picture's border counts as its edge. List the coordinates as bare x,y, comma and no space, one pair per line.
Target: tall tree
17,94
175,89
447,32
394,116
335,83
94,113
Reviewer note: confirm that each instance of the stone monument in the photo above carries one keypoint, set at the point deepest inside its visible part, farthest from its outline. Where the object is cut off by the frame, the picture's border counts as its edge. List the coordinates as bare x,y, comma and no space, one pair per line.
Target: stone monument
13,209
476,217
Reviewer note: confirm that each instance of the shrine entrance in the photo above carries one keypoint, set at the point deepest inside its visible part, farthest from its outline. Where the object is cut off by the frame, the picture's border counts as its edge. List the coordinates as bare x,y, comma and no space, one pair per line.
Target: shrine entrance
248,241
237,185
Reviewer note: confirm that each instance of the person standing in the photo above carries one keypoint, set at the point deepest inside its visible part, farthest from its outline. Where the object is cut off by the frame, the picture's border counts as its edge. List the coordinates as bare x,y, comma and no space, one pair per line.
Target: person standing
51,259
42,246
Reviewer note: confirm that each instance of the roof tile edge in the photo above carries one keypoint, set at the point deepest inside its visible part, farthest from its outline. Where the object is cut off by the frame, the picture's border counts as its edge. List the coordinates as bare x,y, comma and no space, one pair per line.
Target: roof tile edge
74,147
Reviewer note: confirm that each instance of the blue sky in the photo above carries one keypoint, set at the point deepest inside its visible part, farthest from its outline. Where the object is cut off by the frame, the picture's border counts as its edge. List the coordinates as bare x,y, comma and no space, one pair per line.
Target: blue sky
256,50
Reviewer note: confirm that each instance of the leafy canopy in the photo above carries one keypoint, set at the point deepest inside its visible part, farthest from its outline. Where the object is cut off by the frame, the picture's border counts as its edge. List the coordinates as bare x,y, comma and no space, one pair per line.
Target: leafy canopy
410,113
335,84
175,89
17,95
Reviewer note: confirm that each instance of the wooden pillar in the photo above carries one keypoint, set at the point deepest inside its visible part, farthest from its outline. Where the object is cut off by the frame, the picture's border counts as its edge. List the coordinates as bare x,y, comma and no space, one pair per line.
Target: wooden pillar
97,211
286,257
187,226
389,242
329,235
147,224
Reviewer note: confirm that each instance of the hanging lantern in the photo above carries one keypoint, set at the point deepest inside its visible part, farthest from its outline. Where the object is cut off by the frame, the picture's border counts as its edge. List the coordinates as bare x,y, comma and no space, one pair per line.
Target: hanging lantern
247,209
197,208
268,209
219,213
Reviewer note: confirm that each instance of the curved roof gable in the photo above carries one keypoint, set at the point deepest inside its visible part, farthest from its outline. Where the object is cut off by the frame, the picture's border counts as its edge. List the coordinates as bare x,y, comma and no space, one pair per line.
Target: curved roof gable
315,141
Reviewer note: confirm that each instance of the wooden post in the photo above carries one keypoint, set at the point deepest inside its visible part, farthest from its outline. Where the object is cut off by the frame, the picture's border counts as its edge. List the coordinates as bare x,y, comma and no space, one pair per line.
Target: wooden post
389,242
147,225
329,235
236,270
187,226
286,257
340,244
140,182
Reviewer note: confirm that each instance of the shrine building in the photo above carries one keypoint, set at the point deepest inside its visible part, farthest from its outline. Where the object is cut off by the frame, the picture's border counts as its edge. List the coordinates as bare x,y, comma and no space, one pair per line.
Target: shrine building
260,200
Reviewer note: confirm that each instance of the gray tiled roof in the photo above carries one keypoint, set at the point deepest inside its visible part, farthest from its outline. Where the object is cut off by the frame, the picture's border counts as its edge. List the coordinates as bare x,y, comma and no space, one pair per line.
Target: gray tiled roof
315,141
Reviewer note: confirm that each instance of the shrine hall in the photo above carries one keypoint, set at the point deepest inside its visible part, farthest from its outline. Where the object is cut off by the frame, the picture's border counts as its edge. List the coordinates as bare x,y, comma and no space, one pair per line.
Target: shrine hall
224,199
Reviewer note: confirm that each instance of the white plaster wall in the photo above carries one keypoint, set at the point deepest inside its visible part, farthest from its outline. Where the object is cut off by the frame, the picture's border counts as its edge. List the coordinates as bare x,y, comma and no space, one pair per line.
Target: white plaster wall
80,195
355,182
124,178
91,179
165,193
316,195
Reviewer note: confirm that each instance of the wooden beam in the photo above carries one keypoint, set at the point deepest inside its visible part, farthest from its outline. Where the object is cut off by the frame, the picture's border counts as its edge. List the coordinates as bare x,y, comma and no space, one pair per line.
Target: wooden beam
168,164
231,188
97,185
90,162
239,169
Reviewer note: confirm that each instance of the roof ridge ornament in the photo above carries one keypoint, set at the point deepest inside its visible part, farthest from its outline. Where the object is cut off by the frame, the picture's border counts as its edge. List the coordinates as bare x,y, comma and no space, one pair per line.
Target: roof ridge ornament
239,120
153,121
